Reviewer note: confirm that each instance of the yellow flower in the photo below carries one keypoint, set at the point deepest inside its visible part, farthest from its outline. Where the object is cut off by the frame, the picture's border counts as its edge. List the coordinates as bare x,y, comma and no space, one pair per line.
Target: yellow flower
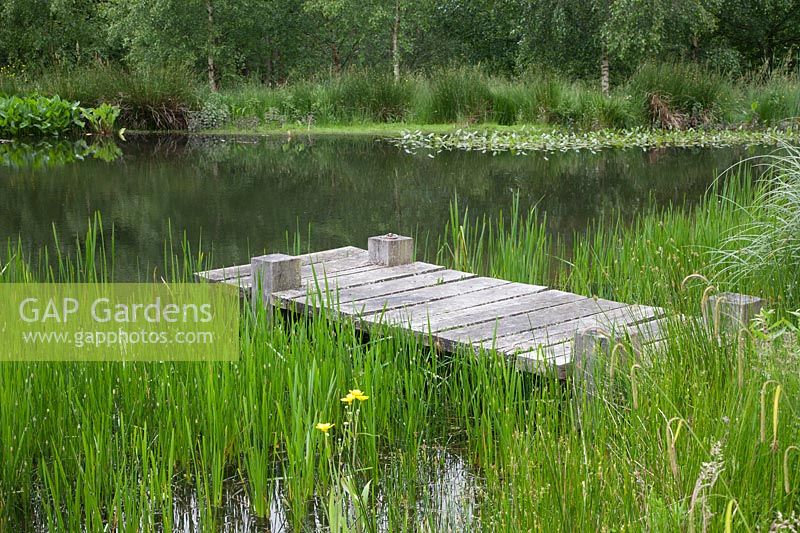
324,427
348,399
358,395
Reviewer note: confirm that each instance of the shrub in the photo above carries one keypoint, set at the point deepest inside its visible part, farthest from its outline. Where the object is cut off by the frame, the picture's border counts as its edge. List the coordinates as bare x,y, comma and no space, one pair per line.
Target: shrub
102,119
679,95
543,96
510,102
305,102
457,94
156,98
214,114
775,102
362,96
251,100
8,86
583,107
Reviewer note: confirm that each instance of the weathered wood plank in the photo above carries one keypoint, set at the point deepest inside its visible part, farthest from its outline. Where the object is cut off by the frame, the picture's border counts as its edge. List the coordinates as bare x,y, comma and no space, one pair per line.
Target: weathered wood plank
541,358
416,317
243,284
325,289
320,271
376,309
338,267
560,332
331,255
651,331
531,320
353,301
488,312
221,274
238,271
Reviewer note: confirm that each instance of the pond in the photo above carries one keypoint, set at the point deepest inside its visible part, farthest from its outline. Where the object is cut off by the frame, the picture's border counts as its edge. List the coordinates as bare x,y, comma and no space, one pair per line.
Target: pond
241,196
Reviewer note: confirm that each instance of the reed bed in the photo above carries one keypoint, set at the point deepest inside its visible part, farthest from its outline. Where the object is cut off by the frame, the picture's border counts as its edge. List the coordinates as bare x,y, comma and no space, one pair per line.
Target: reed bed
332,429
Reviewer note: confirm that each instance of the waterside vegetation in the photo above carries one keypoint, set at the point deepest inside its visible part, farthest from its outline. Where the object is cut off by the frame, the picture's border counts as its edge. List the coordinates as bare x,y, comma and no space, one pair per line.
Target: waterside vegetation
320,427
669,96
521,142
39,116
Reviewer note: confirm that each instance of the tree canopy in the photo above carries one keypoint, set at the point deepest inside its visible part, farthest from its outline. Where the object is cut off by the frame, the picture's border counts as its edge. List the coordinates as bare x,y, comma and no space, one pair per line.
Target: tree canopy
276,41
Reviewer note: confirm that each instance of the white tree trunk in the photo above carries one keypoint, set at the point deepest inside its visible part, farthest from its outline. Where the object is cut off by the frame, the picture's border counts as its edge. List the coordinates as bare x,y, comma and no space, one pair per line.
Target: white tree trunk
212,67
395,46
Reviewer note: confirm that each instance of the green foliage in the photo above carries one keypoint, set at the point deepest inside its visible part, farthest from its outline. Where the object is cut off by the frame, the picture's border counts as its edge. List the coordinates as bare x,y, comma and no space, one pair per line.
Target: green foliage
699,96
10,81
353,97
671,95
690,95
47,33
214,114
776,102
102,119
766,245
587,108
371,97
660,248
546,94
277,41
635,31
461,94
762,33
36,115
524,141
533,99
152,98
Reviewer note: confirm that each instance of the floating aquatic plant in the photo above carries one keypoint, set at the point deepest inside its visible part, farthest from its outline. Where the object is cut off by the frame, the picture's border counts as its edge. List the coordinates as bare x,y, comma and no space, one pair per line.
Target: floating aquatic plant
522,142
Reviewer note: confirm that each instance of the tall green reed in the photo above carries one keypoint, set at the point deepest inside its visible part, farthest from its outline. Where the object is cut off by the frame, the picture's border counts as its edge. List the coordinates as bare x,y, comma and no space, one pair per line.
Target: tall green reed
765,245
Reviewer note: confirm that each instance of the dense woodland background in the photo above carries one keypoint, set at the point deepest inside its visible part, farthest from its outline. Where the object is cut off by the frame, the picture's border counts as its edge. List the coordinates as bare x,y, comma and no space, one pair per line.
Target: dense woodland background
282,41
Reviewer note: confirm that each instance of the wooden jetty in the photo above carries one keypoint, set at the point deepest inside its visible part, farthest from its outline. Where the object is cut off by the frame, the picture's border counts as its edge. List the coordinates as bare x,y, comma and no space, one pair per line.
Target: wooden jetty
536,327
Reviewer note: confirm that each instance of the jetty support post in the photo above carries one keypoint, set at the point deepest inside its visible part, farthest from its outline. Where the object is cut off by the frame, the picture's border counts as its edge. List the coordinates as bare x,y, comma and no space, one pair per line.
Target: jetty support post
592,350
729,312
599,355
270,274
390,250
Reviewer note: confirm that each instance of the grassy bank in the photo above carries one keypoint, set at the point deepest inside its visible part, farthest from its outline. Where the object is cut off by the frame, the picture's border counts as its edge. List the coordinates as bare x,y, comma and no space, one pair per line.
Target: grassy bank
393,130
671,96
680,442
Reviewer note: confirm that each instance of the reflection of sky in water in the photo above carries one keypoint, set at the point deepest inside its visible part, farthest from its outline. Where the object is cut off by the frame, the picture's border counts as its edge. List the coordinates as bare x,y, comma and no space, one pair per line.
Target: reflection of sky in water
446,502
452,493
235,516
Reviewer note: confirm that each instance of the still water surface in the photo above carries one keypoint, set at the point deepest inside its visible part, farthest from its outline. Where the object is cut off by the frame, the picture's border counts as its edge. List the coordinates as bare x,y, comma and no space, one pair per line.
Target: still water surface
242,196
